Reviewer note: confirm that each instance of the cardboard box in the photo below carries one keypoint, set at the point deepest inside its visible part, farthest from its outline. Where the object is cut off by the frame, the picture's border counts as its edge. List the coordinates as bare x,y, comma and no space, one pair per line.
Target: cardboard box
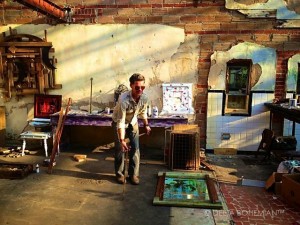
274,182
290,189
225,151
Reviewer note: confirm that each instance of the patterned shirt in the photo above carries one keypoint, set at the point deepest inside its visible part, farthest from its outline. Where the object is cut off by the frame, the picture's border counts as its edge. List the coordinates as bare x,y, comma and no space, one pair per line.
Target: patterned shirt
127,111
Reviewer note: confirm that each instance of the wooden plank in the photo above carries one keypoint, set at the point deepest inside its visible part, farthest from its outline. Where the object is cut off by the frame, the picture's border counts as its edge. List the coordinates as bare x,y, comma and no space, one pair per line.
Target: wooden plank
225,151
213,195
24,50
207,165
40,78
26,44
22,55
28,91
59,130
160,187
186,127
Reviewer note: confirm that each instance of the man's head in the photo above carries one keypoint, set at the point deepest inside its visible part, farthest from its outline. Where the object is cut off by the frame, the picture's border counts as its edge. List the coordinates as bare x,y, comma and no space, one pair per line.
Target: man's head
136,77
137,84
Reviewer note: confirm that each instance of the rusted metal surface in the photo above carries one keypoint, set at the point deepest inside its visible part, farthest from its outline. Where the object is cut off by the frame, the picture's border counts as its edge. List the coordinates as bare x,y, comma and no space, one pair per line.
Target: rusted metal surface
45,7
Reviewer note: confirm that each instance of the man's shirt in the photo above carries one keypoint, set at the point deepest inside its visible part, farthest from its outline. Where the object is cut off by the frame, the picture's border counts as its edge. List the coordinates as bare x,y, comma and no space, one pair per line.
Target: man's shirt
127,111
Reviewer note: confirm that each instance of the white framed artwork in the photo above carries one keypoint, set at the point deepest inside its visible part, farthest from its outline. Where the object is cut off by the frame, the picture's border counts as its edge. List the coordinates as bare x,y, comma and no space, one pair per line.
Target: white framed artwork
177,98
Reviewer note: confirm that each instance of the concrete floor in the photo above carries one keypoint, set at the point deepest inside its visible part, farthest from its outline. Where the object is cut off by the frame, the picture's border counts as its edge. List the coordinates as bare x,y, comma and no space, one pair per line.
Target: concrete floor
86,193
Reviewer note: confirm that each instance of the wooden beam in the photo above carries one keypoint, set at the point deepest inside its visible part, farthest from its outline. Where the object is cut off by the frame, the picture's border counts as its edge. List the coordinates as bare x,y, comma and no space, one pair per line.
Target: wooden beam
26,44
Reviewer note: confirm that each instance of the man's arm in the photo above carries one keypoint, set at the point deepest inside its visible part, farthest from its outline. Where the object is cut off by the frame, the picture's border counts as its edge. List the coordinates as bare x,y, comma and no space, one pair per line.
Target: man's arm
121,115
121,134
146,125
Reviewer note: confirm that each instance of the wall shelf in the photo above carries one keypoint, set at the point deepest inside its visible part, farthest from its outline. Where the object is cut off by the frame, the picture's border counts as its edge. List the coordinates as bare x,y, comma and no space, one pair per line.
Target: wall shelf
25,65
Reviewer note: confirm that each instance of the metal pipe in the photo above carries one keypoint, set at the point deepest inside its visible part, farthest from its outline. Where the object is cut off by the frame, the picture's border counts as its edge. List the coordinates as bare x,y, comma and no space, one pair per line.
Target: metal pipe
46,7
91,95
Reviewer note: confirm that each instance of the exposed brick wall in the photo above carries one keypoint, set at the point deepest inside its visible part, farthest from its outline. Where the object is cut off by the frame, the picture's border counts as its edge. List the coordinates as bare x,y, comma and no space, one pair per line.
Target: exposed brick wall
281,71
218,28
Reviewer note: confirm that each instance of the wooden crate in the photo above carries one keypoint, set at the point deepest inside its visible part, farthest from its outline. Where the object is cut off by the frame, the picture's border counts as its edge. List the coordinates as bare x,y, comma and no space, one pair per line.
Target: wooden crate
186,128
225,151
15,170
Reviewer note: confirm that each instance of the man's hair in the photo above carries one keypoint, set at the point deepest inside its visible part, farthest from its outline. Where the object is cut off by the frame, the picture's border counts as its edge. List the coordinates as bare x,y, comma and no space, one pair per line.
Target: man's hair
136,77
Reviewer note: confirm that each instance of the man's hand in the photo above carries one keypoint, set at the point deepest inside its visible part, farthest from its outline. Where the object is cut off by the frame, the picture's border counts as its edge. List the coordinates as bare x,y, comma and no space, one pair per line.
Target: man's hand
148,129
124,146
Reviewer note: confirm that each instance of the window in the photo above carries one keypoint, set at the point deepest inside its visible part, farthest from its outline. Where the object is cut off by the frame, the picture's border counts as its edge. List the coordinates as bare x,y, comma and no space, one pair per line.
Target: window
237,87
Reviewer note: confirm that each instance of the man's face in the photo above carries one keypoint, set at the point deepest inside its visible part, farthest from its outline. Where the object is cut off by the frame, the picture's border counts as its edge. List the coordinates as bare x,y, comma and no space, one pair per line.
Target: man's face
137,88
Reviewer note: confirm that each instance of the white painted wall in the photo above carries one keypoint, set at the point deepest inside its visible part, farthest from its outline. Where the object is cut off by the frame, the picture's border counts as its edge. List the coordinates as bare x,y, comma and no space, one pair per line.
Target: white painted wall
245,131
265,57
109,54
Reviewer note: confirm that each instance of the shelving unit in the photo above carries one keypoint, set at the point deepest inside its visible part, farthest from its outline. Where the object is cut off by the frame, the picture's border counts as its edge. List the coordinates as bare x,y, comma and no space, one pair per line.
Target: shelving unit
25,65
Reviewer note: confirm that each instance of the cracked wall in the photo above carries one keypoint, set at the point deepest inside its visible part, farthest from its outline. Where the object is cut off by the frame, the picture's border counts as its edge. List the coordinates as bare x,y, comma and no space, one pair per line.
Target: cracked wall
109,54
263,70
286,11
245,131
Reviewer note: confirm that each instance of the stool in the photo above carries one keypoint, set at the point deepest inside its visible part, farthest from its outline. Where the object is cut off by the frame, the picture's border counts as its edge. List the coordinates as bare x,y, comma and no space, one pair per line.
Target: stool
37,136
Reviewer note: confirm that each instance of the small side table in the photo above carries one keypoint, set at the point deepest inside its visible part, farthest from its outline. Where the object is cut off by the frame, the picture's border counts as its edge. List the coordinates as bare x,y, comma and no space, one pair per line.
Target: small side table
37,136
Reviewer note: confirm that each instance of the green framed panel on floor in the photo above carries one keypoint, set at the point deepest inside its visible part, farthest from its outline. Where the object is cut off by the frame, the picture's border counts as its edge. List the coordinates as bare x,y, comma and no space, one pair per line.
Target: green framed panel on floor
187,190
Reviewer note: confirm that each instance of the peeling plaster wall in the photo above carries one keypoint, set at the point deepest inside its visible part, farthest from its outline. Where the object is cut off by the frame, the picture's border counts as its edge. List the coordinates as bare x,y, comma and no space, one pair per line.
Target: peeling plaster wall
245,131
288,10
109,54
291,79
263,56
293,5
270,4
250,2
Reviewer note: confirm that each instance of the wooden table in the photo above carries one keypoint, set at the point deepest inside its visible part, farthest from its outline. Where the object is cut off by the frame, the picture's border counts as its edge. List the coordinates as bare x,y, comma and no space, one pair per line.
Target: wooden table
290,113
85,119
104,120
36,136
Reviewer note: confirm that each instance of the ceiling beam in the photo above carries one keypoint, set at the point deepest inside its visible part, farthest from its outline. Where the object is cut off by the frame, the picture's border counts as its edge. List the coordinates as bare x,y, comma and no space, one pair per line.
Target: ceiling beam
45,7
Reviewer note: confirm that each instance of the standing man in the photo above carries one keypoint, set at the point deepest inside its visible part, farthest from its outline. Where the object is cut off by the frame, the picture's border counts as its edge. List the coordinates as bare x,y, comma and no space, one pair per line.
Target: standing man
131,105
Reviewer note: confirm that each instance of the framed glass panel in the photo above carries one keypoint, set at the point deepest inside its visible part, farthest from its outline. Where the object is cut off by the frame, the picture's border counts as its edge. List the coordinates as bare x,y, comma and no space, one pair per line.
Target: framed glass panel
237,87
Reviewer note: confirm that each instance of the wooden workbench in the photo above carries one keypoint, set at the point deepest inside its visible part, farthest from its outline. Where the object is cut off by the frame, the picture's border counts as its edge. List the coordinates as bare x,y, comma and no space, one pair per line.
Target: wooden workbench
289,113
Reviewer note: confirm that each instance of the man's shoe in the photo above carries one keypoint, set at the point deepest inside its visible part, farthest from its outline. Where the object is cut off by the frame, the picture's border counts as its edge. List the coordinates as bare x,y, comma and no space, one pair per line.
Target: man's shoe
134,180
121,179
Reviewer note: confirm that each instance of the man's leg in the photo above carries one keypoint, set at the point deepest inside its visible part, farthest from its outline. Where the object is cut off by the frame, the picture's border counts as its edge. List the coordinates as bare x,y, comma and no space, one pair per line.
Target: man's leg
119,155
134,153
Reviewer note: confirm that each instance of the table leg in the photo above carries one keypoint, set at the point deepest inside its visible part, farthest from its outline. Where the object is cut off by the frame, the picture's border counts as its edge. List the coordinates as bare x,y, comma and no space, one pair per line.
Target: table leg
46,147
23,146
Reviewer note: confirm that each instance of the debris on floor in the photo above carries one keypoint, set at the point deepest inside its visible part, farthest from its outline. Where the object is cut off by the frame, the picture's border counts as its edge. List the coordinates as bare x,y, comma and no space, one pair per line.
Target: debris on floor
103,148
206,166
15,170
251,183
13,152
79,158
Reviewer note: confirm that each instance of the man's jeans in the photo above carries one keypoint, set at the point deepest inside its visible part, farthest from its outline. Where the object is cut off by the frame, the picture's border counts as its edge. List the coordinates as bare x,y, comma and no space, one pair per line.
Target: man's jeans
132,133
